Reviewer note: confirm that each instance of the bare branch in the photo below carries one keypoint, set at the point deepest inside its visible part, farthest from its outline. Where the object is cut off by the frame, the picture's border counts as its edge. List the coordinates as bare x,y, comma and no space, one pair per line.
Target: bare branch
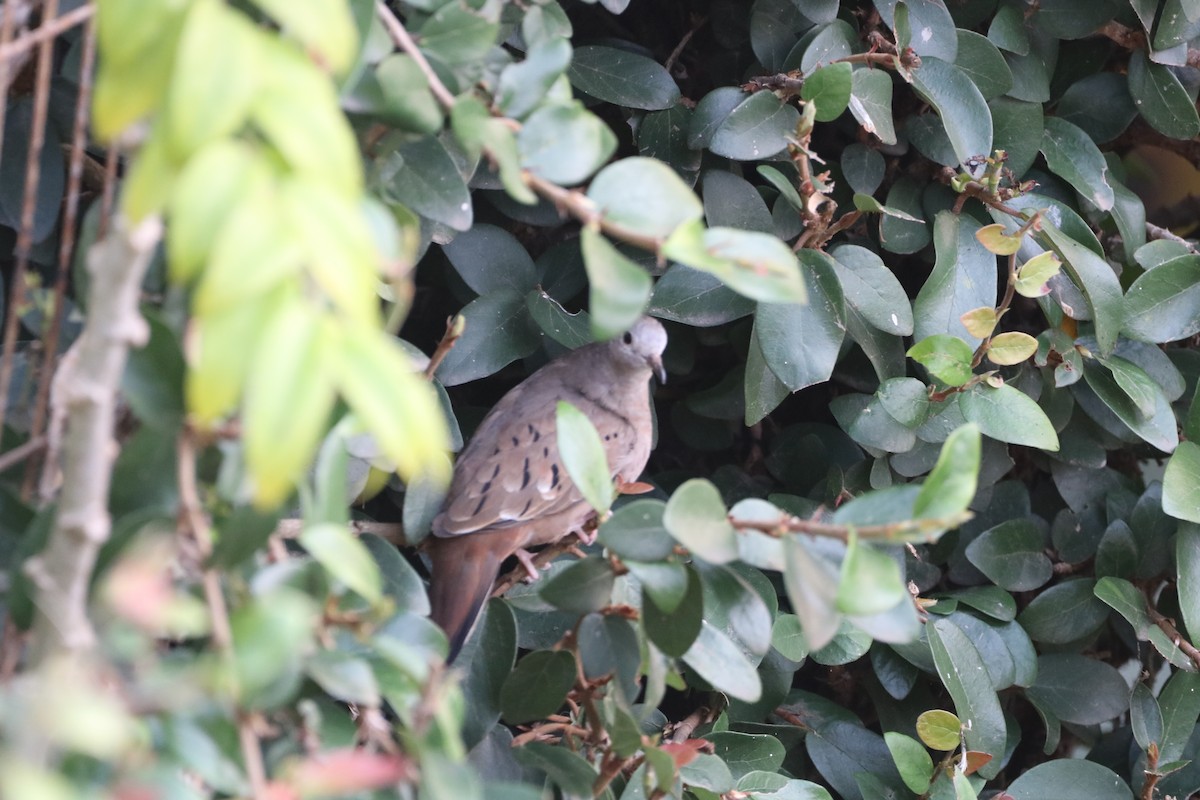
63,570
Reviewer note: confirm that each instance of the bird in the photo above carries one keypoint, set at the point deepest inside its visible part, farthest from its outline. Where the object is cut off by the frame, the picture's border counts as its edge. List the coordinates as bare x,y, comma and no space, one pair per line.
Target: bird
510,490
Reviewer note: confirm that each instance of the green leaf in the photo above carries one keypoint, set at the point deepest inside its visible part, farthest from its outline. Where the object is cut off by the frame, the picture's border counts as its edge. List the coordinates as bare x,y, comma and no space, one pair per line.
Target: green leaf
1181,485
1145,717
960,105
582,587
1010,554
673,630
1187,562
1180,704
963,278
1078,689
912,759
961,669
404,98
997,241
758,128
1163,304
618,289
490,259
636,531
873,290
1069,779
1161,98
898,235
644,196
829,89
583,456
421,174
459,34
497,333
1064,613
801,343
623,78
1009,415
948,358
345,557
982,62
565,144
718,660
538,686
1097,280
745,753
758,265
345,677
696,298
1072,155
1158,428
950,486
696,517
871,103
871,582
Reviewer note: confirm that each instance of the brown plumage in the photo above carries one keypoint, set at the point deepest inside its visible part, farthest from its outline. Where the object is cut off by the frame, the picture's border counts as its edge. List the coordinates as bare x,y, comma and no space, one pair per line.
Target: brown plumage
510,489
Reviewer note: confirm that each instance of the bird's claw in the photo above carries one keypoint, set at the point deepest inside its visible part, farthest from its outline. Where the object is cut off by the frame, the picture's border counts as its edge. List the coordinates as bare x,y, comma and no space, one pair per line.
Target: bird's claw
526,559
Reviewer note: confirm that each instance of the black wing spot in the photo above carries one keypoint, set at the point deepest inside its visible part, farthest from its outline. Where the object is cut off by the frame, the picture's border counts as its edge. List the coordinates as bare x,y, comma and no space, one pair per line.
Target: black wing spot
479,507
545,452
525,510
516,442
554,476
487,487
495,472
525,478
535,433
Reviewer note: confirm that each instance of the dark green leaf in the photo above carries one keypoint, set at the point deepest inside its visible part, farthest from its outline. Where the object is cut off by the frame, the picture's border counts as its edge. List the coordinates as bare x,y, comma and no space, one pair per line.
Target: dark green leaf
497,333
829,88
488,259
1009,415
871,103
636,531
1011,555
757,128
538,686
1161,98
1079,689
674,631
963,278
623,78
582,587
1163,304
1072,155
1069,779
962,671
962,108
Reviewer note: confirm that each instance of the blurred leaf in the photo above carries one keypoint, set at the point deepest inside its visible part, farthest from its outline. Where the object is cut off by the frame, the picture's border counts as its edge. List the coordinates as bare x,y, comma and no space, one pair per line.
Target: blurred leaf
636,531
812,584
951,484
644,196
346,677
524,85
565,144
696,516
1069,779
345,557
870,581
757,265
718,660
583,456
421,174
618,289
674,630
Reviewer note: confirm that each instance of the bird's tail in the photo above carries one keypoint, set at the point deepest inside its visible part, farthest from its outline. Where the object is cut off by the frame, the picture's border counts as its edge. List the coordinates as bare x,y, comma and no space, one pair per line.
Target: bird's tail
462,581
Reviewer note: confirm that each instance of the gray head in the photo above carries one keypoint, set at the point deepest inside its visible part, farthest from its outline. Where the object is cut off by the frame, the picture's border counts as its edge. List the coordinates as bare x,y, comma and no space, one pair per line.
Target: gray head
642,346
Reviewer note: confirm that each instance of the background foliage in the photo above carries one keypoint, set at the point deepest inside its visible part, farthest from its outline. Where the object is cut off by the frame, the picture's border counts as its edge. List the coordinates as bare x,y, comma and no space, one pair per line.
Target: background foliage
924,519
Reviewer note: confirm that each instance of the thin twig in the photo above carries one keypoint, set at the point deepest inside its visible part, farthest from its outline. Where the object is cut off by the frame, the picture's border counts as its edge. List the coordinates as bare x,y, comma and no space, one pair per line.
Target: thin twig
33,171
21,452
65,251
687,37
890,531
390,531
1173,634
47,31
401,36
454,329
1155,232
195,522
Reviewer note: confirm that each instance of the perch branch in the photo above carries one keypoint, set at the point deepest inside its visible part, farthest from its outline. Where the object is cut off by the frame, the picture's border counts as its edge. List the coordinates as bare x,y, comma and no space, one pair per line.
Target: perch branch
401,36
1173,634
62,571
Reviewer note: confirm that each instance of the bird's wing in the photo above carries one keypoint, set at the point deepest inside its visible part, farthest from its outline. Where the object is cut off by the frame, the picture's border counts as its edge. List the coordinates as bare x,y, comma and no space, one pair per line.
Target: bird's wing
511,473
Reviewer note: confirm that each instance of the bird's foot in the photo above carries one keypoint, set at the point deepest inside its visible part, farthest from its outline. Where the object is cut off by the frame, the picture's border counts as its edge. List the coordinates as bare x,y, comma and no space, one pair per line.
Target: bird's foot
526,559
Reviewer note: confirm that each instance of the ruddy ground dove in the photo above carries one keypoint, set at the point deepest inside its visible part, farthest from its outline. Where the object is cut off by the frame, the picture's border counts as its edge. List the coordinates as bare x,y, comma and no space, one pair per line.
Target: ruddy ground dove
510,489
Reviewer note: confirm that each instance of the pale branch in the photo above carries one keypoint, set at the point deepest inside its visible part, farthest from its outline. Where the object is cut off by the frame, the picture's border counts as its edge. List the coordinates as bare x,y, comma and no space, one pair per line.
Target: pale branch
1173,634
1155,232
389,531
62,572
888,532
401,37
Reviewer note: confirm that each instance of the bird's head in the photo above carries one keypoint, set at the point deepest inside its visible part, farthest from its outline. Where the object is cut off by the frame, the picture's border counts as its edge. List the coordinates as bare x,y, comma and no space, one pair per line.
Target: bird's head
643,345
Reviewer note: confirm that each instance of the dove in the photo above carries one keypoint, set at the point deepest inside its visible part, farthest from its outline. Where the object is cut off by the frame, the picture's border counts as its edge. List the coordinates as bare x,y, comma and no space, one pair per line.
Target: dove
510,490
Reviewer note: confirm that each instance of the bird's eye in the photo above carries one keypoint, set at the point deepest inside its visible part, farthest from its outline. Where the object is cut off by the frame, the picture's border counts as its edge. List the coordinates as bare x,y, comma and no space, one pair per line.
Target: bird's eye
627,338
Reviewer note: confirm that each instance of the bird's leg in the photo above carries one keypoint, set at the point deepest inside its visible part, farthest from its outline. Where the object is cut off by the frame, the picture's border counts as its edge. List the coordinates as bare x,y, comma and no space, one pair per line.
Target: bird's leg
526,559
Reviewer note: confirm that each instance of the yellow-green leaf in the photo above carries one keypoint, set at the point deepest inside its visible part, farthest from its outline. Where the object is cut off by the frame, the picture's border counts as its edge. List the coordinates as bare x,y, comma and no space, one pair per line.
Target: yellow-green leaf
289,395
400,409
583,456
618,289
997,241
345,557
1010,348
219,350
325,27
980,322
1033,274
216,76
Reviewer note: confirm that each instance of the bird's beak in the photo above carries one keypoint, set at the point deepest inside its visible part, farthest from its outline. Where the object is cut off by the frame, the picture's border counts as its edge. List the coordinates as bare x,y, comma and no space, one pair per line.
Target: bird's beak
657,365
